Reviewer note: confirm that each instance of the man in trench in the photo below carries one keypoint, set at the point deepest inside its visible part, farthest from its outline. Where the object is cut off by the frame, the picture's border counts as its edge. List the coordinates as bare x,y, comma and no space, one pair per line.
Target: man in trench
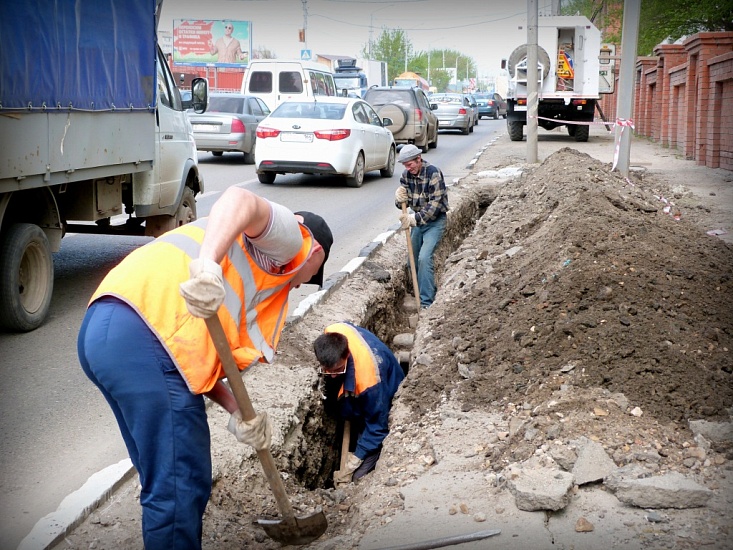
362,376
145,345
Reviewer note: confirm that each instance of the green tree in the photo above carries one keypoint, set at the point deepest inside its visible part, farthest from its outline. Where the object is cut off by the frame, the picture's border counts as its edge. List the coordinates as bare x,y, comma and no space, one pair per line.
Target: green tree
659,20
392,46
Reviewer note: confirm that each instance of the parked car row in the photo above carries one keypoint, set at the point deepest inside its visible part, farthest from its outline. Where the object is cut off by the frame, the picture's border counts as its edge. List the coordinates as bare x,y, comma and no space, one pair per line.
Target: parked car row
330,135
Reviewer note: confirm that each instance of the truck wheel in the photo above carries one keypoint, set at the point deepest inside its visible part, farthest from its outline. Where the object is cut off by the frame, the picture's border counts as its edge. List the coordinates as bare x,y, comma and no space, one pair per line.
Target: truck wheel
396,113
520,53
155,226
571,129
582,133
26,277
516,132
267,178
357,175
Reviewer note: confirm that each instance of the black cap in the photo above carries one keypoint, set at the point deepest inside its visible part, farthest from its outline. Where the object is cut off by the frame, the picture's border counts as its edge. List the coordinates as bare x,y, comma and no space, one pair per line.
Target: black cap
322,233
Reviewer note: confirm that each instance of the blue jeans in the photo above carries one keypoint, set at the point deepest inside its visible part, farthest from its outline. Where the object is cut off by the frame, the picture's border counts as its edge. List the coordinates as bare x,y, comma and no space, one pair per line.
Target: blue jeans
163,424
425,239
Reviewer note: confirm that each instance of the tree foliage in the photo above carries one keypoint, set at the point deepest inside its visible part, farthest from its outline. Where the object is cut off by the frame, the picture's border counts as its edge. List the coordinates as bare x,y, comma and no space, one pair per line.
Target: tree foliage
392,46
659,21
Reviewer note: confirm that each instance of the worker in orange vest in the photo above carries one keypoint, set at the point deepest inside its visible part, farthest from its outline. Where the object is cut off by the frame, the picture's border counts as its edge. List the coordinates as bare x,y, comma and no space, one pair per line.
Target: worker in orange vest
145,345
362,376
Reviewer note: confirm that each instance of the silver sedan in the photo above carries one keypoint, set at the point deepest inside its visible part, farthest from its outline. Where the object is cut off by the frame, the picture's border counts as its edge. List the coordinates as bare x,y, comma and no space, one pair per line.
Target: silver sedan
229,124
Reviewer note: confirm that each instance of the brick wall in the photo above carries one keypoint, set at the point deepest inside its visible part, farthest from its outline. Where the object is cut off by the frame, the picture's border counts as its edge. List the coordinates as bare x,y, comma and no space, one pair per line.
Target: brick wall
684,98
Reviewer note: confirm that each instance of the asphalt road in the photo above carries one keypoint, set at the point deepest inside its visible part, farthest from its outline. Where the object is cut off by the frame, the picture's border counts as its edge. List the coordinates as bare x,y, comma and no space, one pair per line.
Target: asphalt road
57,429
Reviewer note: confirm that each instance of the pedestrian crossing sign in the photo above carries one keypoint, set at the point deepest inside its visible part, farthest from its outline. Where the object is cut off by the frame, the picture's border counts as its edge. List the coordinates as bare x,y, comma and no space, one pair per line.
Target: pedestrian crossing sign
305,55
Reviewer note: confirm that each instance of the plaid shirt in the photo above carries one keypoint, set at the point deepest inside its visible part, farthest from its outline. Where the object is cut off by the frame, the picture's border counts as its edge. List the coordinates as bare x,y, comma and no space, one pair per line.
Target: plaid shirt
426,193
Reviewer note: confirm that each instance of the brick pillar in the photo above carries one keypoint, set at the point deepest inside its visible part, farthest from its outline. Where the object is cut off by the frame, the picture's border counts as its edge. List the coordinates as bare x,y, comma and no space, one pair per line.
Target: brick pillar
670,55
642,114
701,48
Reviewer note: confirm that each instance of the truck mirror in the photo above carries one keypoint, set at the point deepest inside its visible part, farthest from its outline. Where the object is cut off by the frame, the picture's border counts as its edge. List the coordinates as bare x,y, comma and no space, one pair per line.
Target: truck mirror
503,63
199,95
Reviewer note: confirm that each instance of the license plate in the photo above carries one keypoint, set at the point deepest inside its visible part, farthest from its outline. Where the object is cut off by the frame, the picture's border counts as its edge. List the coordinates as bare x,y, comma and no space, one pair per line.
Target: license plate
520,107
296,137
205,128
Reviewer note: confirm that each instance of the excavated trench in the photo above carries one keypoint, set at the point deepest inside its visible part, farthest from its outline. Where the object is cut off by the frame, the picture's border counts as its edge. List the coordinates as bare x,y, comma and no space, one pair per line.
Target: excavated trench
379,297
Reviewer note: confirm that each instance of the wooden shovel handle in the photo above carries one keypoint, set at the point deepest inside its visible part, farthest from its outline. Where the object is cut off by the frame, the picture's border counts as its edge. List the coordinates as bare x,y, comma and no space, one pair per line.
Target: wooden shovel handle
248,413
412,261
345,441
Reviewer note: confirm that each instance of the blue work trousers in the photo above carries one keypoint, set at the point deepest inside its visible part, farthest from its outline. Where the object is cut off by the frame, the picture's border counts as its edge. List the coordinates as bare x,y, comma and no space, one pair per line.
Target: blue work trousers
425,239
163,424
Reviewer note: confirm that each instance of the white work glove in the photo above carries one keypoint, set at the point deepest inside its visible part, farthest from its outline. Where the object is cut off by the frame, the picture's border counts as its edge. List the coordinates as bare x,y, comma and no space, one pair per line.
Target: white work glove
341,477
204,291
256,432
407,220
400,195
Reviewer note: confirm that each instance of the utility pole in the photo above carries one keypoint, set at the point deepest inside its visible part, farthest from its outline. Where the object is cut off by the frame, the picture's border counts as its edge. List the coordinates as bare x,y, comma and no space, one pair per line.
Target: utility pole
532,106
305,23
624,103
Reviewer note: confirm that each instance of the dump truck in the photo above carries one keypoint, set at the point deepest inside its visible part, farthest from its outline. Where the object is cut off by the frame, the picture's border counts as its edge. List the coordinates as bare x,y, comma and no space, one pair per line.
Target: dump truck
573,68
95,136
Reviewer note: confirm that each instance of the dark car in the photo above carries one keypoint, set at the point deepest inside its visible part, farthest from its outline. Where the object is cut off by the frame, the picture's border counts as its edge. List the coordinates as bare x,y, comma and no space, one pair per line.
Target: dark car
490,105
229,124
413,119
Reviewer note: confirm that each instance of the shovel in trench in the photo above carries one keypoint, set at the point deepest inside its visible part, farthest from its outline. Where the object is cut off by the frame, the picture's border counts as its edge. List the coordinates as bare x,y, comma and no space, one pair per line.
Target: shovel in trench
413,270
290,529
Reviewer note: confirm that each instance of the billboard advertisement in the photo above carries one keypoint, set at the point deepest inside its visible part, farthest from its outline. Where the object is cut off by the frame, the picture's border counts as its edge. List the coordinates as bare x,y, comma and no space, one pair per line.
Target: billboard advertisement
220,43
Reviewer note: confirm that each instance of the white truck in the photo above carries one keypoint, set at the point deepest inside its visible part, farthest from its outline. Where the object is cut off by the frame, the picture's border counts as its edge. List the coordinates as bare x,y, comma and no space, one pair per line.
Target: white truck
355,76
572,70
95,138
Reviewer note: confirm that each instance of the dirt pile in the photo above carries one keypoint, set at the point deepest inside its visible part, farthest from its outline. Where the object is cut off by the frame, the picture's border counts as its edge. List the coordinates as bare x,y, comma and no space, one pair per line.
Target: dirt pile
575,275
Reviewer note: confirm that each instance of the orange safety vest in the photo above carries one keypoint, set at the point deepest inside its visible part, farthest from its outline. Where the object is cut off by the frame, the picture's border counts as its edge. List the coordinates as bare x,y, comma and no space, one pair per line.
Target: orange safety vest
253,313
365,365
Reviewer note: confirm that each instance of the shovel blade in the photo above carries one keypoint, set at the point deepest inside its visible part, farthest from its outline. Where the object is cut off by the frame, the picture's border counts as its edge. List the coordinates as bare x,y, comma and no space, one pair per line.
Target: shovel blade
302,531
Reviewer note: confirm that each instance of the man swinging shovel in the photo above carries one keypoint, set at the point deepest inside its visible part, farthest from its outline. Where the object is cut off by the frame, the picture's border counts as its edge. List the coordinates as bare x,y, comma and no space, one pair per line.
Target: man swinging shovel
422,188
144,343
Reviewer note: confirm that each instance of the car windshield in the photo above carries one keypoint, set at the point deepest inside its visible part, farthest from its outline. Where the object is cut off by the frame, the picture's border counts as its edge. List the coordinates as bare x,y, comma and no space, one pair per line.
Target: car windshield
446,98
292,109
225,104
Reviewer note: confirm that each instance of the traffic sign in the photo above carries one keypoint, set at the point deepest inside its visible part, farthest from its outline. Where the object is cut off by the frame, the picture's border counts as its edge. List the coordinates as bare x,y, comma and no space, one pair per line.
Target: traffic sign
305,55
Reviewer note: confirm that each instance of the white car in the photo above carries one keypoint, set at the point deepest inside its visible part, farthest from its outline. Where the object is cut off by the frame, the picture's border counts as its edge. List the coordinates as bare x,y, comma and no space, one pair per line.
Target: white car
330,136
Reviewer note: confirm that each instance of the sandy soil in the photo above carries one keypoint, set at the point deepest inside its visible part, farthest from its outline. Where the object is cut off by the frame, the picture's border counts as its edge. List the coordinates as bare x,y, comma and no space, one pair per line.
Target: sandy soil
577,297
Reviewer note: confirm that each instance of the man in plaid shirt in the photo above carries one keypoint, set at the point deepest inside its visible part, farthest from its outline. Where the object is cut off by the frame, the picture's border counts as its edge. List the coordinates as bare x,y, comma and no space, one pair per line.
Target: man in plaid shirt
422,187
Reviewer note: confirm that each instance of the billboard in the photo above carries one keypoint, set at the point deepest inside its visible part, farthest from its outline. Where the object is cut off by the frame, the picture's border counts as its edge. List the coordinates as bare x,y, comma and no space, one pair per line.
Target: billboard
212,43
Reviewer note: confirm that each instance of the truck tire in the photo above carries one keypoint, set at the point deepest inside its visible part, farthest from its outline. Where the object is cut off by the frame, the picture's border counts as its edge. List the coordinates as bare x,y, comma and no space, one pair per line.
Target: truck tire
515,129
155,226
520,53
582,133
26,277
396,113
571,129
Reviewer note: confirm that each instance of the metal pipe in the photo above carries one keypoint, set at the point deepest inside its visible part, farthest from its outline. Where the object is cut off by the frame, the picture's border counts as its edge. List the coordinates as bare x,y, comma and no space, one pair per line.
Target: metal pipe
446,541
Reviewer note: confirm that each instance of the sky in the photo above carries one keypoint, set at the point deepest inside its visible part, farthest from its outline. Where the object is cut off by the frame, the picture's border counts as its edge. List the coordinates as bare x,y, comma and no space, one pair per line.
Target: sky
485,30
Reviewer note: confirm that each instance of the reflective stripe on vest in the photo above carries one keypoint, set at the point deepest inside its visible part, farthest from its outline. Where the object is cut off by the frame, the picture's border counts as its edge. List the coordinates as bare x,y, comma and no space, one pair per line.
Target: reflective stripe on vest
253,313
365,364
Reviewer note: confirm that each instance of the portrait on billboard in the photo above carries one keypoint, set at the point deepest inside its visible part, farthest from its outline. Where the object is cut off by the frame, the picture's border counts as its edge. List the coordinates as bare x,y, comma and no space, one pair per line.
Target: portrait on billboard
223,43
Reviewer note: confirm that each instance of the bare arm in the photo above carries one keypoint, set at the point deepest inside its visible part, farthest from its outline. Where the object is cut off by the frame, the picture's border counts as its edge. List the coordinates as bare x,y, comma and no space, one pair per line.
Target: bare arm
221,395
237,211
